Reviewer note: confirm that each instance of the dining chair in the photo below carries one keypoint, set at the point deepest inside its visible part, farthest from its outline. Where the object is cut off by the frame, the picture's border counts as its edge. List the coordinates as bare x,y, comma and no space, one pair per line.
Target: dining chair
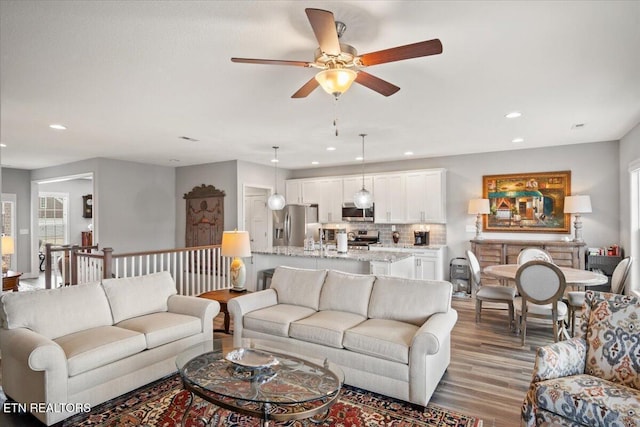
489,293
575,299
531,254
541,285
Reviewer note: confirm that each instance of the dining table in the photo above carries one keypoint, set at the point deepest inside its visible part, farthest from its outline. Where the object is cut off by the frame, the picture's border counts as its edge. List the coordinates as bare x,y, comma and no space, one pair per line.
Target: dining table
576,278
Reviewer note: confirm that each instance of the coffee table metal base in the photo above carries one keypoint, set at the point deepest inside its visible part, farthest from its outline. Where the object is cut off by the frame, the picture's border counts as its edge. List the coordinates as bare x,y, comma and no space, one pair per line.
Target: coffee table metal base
315,411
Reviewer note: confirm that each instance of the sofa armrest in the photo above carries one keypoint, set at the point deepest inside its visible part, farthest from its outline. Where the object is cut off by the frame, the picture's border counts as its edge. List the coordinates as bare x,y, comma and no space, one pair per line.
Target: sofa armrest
34,368
204,309
429,355
561,359
243,304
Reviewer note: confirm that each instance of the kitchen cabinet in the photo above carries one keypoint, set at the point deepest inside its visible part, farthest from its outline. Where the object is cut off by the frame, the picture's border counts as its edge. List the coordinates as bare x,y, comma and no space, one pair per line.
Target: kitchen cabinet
425,201
351,185
330,203
312,192
293,191
389,198
400,268
428,262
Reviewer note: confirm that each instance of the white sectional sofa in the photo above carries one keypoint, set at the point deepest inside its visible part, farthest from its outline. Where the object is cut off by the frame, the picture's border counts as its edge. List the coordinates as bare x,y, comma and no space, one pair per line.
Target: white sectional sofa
389,335
77,346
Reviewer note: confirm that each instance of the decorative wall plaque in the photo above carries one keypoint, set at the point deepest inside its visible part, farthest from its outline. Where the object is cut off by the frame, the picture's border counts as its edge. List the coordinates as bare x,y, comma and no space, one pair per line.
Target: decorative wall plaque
205,216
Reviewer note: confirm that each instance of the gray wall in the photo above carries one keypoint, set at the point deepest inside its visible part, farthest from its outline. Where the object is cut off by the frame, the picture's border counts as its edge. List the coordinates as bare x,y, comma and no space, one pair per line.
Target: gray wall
594,171
223,176
16,181
76,188
629,153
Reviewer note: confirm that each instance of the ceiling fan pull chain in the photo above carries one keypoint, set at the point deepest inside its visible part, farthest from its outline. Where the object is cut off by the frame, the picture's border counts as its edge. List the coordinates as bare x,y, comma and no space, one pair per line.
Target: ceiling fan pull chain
335,115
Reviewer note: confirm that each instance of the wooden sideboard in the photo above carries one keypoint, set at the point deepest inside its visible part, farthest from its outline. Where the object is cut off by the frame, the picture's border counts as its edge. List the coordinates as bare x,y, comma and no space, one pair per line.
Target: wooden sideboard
492,251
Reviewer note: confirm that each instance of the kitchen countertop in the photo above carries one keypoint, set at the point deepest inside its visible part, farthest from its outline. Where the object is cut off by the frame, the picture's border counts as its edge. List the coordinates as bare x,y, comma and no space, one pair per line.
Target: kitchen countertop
406,246
353,255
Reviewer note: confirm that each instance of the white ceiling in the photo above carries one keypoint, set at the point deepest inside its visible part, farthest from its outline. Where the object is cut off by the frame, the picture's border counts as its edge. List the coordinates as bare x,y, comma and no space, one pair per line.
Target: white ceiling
128,78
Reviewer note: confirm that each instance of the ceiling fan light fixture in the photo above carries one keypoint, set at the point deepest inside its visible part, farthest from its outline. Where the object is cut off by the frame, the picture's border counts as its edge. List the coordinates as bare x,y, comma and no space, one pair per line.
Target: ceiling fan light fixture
336,81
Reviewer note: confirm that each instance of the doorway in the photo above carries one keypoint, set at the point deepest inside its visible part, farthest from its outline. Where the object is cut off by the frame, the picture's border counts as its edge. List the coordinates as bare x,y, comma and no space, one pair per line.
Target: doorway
257,218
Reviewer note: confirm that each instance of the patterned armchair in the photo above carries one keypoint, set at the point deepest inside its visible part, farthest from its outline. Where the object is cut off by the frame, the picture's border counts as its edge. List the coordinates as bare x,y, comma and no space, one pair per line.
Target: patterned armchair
594,378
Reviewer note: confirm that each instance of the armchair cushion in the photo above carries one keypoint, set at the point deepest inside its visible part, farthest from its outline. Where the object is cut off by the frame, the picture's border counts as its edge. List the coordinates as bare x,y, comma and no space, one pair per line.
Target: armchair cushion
613,351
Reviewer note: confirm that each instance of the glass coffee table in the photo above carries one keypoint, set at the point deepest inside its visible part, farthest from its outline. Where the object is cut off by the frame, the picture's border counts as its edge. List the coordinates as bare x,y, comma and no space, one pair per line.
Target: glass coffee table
260,383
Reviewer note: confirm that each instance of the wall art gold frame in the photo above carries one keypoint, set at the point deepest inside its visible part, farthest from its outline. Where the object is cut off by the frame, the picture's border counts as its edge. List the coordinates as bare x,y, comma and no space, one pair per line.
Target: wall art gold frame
527,202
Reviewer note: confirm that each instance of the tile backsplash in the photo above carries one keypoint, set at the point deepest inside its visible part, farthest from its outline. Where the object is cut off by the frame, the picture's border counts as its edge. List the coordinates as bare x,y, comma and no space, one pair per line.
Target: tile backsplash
437,232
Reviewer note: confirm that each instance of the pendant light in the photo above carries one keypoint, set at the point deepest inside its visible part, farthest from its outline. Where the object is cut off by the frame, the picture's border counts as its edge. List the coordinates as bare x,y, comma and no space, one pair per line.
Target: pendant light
363,199
276,201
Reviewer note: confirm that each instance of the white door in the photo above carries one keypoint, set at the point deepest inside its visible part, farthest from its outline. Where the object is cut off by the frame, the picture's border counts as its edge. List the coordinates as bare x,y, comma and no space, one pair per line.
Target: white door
258,221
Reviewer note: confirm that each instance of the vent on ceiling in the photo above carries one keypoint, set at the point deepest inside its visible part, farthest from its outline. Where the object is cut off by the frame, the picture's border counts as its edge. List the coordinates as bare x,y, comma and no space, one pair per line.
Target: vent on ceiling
578,126
188,138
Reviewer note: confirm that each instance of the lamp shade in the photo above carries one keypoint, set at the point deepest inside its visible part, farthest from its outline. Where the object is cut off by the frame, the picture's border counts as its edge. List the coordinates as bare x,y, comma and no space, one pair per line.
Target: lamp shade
8,247
336,81
276,202
236,244
479,206
577,204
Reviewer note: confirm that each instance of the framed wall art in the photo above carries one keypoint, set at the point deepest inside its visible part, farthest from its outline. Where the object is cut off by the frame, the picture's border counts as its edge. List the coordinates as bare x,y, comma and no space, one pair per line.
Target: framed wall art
527,202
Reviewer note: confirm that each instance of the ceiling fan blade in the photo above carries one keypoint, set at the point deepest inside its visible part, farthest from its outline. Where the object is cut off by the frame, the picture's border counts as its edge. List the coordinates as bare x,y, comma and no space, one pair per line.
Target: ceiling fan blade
324,27
271,62
415,50
306,89
374,83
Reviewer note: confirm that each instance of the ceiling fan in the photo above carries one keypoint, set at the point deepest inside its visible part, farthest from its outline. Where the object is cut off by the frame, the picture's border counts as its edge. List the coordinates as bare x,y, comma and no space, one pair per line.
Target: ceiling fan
340,63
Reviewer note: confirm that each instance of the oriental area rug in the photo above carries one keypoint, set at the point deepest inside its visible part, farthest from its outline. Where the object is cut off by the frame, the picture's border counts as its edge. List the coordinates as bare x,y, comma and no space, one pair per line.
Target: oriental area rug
163,402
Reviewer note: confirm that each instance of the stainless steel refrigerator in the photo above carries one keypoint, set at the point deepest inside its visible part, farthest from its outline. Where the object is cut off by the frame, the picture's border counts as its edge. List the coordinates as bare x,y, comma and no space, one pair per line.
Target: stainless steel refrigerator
293,224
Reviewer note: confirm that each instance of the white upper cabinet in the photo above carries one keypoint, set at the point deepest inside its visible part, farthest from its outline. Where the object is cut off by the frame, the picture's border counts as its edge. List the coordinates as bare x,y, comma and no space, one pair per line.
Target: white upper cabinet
352,184
425,201
411,197
389,198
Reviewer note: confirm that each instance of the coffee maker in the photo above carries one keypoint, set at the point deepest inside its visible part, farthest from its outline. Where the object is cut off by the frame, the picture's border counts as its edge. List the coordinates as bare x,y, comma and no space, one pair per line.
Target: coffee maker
420,238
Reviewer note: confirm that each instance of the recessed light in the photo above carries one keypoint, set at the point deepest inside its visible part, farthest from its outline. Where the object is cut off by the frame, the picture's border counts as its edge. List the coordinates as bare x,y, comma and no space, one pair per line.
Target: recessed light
359,158
408,153
274,160
315,163
3,145
513,115
517,140
331,148
58,127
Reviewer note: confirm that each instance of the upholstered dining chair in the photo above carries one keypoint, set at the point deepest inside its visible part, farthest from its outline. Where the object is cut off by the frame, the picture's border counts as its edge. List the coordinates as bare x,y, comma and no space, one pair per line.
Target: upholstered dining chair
489,293
541,285
575,299
531,254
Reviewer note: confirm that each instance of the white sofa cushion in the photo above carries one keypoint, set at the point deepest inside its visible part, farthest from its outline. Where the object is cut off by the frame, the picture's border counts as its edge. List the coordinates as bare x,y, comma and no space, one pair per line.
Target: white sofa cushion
136,296
162,328
386,339
57,312
346,292
325,327
95,347
276,319
297,286
408,300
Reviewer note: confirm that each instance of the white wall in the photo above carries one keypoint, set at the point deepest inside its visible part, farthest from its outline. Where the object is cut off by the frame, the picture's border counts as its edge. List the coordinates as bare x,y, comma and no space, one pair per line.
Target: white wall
16,181
594,171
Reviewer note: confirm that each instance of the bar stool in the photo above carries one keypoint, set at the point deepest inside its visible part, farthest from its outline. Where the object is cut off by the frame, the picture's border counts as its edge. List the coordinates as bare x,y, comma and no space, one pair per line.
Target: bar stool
263,276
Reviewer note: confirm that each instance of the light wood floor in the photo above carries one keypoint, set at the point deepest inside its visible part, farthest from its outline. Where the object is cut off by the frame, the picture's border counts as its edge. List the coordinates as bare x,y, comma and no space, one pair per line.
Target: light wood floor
489,372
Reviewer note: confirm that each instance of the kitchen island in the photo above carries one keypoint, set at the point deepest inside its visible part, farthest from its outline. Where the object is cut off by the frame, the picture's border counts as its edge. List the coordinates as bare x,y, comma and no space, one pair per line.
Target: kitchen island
355,261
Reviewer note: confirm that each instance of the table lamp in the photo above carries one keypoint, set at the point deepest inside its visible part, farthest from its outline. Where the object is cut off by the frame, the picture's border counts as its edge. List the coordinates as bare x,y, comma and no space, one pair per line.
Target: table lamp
8,248
577,205
479,207
236,244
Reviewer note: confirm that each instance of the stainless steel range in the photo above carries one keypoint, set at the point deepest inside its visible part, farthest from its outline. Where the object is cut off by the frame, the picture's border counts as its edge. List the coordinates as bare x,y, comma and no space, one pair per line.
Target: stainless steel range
361,239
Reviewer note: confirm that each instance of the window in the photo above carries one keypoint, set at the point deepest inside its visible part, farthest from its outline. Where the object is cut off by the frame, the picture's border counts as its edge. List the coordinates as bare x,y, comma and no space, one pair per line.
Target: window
8,226
52,218
635,228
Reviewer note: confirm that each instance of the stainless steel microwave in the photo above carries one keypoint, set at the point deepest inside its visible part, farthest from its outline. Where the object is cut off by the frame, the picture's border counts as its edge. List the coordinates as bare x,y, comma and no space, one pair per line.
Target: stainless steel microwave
350,213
